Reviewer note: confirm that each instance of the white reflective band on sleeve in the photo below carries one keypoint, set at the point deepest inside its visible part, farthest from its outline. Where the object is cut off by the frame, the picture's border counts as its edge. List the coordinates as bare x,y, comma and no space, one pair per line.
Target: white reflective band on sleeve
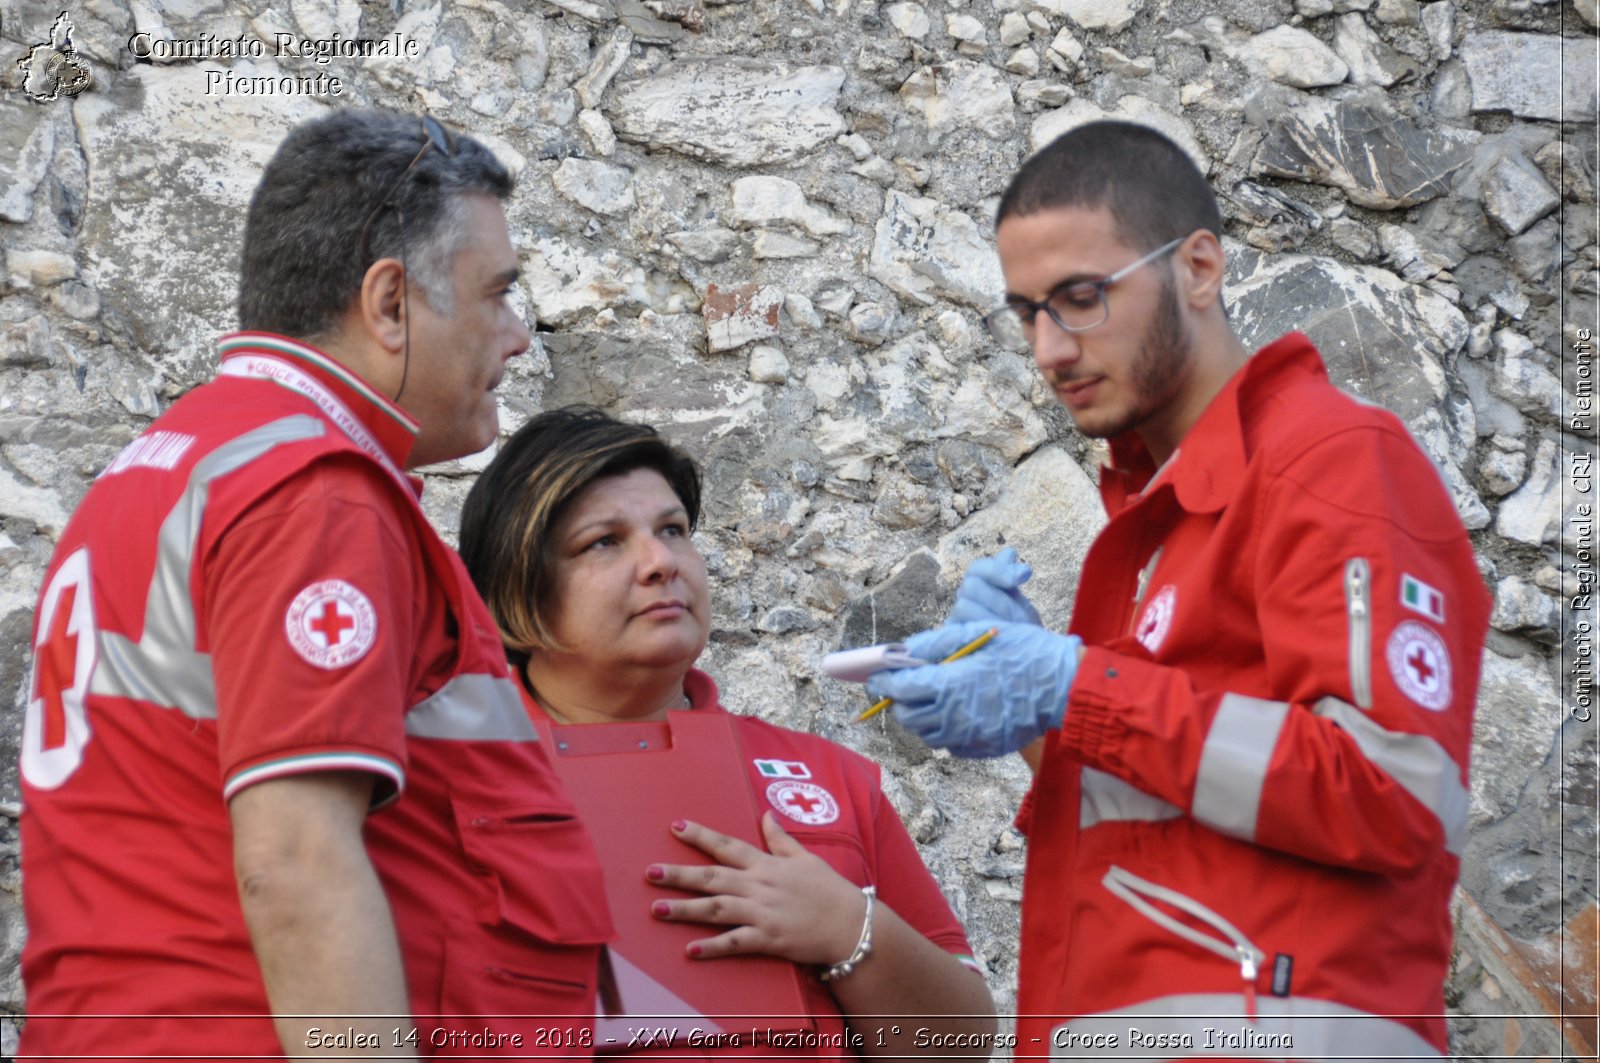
472,707
1418,763
1104,798
163,668
1233,763
1213,1025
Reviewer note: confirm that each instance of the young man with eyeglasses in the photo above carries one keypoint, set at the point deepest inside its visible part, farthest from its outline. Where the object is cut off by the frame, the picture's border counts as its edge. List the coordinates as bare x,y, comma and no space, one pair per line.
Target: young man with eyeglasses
280,793
1250,754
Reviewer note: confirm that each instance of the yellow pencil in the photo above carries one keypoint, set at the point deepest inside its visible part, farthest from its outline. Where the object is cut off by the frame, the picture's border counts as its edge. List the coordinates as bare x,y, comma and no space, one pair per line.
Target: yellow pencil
971,647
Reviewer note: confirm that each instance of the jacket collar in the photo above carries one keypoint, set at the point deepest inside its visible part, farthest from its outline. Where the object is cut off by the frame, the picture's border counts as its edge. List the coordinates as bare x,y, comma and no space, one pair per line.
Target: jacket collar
1206,470
390,427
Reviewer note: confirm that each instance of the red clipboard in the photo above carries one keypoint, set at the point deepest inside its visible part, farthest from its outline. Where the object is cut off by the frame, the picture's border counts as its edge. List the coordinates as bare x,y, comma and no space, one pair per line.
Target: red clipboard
629,782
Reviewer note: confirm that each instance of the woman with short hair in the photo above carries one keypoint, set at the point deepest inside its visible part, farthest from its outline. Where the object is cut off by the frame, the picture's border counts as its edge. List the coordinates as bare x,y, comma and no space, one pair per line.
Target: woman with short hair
579,537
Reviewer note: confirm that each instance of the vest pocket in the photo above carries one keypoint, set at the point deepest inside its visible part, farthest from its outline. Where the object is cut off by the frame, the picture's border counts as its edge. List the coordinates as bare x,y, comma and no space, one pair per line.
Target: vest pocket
540,913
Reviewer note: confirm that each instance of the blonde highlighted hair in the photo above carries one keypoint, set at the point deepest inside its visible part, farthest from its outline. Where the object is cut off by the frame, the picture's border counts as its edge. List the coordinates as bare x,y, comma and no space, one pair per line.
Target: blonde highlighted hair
508,522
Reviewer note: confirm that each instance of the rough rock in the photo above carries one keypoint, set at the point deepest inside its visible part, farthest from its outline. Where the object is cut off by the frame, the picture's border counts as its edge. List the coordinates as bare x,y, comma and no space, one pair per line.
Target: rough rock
596,186
1532,514
1291,56
1516,195
564,280
784,110
1520,606
1111,15
778,201
960,95
1515,72
194,178
923,250
1052,124
1509,742
908,20
1383,339
27,142
1050,511
1523,379
1370,60
1361,146
737,316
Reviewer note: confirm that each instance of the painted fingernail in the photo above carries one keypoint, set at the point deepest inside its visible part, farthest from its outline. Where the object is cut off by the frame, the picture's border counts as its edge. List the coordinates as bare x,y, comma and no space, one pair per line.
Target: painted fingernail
655,871
679,826
694,950
661,908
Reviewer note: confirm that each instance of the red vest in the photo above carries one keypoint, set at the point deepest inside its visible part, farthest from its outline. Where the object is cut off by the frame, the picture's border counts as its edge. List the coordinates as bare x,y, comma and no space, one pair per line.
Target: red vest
177,664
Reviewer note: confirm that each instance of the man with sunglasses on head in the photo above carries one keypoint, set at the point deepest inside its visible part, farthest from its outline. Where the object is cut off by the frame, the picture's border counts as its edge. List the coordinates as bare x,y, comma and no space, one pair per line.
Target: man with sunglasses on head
1250,753
280,794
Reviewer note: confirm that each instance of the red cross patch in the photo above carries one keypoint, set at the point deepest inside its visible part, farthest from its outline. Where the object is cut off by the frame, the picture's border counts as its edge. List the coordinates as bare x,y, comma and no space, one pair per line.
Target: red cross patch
331,624
803,802
1420,665
1157,618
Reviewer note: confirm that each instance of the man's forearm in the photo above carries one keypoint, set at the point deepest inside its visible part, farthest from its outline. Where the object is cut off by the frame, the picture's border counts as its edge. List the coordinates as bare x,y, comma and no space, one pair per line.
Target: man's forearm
318,920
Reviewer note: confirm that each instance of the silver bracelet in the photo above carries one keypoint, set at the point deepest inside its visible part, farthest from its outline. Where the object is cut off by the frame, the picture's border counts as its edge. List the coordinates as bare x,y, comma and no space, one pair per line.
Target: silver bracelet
863,946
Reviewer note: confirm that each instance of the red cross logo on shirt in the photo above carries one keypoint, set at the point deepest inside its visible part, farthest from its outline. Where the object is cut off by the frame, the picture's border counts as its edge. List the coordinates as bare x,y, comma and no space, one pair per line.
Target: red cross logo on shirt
333,622
803,802
58,664
1419,663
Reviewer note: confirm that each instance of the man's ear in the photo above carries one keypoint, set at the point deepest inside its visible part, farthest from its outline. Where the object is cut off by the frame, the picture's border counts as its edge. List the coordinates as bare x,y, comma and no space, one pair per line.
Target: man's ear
381,305
1202,267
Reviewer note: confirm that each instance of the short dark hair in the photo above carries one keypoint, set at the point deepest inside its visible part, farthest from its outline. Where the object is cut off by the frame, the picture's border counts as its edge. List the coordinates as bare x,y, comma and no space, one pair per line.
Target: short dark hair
511,512
1152,188
304,257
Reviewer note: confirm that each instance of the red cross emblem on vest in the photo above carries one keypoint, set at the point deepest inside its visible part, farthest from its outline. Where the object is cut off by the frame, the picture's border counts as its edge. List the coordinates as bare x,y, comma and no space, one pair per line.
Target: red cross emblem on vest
803,802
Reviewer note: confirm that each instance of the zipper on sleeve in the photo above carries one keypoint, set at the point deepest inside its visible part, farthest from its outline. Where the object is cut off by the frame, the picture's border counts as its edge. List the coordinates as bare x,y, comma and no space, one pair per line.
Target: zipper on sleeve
1358,607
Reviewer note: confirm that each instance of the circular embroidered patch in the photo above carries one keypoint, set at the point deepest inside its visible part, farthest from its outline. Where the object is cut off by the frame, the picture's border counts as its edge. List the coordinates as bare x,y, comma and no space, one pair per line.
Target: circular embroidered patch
331,624
803,802
1157,618
1420,664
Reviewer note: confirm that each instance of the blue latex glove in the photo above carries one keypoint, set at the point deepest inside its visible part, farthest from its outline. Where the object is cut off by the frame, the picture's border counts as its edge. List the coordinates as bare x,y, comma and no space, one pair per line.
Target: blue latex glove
990,591
990,703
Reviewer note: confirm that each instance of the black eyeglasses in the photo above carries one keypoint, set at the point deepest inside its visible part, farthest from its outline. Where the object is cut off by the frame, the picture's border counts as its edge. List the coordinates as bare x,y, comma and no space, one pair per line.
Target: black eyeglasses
435,136
1076,306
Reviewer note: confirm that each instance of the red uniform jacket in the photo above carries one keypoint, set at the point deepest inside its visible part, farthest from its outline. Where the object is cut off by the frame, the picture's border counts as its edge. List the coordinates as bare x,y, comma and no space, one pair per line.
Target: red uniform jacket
1257,802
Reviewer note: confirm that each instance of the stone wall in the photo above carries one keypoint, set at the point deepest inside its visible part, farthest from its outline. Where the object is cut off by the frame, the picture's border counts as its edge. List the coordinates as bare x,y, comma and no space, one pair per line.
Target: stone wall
765,226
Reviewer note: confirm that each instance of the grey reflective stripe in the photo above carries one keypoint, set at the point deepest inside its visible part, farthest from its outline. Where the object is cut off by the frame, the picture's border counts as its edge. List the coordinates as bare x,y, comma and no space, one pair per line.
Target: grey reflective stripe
1233,763
1211,1024
1418,763
473,707
163,668
1104,798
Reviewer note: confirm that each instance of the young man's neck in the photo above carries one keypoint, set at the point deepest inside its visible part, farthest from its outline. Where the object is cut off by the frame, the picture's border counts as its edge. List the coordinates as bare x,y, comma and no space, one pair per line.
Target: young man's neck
1218,355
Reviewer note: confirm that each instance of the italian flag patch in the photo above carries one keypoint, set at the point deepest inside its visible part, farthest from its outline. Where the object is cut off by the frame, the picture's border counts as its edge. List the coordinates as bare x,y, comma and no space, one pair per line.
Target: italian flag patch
1421,598
783,769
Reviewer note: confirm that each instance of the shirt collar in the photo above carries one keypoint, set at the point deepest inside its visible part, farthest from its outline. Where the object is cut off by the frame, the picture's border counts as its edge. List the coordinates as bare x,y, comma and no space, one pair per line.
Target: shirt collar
393,429
1208,466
